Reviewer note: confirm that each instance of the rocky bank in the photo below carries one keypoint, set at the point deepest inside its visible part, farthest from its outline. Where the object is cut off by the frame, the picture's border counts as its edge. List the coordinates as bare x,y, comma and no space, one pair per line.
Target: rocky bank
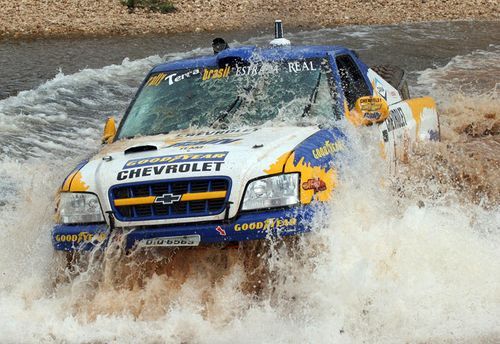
49,18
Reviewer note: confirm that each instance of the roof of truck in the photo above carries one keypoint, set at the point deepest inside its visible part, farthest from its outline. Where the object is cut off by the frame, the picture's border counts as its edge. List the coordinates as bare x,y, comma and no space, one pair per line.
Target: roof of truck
245,53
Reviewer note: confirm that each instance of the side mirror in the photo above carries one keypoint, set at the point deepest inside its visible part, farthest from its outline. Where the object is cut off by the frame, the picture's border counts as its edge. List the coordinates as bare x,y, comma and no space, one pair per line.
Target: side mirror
369,110
109,130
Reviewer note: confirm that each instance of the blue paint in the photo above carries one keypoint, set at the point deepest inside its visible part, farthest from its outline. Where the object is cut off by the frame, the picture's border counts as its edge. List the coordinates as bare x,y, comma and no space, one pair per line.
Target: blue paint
77,230
325,137
249,53
281,222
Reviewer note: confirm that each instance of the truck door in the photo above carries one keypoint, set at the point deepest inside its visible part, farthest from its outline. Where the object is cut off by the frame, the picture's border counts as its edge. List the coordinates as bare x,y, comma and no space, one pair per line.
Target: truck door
353,83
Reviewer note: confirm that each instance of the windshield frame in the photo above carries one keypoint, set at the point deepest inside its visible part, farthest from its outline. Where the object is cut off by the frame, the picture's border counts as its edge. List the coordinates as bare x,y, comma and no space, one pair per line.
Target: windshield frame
211,63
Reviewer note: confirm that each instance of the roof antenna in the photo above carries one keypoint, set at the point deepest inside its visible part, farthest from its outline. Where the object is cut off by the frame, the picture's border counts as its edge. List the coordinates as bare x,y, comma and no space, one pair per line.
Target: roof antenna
279,40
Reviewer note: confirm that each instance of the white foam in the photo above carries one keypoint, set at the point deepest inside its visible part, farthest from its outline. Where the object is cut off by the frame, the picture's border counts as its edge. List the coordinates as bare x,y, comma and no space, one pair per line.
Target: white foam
377,268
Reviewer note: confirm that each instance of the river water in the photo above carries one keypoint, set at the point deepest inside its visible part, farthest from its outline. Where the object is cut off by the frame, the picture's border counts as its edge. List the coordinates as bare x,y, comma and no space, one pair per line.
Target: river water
414,259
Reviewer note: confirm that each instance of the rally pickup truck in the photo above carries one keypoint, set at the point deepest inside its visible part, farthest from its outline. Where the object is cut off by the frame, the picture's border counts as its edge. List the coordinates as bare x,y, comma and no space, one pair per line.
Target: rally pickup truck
240,145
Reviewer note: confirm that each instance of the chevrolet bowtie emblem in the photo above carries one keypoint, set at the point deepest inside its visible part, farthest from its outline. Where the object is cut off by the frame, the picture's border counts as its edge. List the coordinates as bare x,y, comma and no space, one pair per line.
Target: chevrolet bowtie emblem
168,199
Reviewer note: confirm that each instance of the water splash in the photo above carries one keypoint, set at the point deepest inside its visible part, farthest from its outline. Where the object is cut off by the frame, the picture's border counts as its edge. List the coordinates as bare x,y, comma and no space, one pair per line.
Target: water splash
415,260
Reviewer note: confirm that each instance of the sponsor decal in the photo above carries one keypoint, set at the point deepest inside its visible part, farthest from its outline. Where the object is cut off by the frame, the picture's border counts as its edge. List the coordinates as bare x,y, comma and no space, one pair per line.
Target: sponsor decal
186,240
157,79
396,119
252,70
256,69
369,110
314,184
380,89
216,73
297,66
312,158
274,68
220,73
199,143
170,159
167,199
81,237
433,135
173,78
219,132
385,135
170,169
372,115
220,230
370,104
328,148
267,224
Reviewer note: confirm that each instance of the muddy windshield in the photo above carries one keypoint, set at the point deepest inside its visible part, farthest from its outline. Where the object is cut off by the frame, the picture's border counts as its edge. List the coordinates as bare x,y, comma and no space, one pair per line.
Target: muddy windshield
231,96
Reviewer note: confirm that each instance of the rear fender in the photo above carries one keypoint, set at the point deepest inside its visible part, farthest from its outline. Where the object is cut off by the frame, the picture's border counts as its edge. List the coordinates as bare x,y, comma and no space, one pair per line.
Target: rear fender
410,121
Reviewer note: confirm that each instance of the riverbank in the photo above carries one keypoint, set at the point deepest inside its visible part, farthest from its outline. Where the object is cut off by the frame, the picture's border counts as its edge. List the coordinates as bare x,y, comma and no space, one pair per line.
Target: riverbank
46,18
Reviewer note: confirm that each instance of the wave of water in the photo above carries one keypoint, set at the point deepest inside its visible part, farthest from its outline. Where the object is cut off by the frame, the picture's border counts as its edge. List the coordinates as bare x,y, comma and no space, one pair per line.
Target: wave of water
414,260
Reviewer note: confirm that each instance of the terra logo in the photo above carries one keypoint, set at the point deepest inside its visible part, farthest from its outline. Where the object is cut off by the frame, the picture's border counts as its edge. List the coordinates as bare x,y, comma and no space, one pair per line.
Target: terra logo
167,199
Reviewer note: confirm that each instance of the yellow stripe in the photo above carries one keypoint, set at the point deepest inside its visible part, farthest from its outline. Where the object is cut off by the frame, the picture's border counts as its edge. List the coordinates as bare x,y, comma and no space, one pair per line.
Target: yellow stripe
186,197
134,201
203,195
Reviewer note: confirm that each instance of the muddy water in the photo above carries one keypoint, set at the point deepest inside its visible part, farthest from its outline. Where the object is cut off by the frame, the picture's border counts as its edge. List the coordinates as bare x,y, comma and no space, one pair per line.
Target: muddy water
413,260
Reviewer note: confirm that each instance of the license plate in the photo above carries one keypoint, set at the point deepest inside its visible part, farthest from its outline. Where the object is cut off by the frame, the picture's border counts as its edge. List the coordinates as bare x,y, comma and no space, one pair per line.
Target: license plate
174,241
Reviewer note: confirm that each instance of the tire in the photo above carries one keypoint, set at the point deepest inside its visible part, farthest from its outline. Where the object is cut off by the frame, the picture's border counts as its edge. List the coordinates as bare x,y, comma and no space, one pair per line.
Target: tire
396,77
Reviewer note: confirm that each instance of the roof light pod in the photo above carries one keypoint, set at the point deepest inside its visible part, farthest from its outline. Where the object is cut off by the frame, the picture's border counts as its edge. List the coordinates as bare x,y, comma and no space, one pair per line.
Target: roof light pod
279,40
219,44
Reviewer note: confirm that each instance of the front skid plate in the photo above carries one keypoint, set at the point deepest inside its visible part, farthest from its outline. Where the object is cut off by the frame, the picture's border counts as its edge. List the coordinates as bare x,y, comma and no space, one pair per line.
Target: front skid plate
248,226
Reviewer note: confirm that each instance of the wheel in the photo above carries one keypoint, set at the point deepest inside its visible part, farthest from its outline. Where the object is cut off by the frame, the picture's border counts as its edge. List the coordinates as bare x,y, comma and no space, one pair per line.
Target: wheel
396,77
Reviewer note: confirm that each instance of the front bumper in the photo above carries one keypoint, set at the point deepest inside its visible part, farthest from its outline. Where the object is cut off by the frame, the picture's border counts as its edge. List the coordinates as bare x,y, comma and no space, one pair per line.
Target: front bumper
247,226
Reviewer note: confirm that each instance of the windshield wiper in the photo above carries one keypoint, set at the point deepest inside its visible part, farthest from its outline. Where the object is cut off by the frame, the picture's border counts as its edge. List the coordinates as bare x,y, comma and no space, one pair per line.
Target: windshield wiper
223,114
312,98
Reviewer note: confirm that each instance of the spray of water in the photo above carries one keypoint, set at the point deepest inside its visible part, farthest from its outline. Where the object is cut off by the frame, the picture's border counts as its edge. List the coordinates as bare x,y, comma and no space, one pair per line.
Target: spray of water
411,258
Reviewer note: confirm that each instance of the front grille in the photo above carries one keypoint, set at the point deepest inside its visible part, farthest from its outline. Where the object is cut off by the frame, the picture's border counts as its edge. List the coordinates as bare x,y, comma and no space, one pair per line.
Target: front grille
178,209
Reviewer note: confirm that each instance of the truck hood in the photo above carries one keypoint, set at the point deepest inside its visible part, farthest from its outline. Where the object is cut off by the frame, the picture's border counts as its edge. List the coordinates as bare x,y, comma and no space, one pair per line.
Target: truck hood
240,155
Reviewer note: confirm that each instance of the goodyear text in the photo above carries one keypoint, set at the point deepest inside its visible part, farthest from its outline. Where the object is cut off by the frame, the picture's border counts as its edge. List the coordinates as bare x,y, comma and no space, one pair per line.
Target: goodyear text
178,158
80,237
266,225
329,148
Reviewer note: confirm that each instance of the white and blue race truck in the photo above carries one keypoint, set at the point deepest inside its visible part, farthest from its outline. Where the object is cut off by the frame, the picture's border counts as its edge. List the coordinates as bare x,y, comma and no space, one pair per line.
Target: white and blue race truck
195,161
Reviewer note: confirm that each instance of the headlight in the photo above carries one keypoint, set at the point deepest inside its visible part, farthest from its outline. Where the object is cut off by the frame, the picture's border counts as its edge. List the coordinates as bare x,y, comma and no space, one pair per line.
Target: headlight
275,191
80,208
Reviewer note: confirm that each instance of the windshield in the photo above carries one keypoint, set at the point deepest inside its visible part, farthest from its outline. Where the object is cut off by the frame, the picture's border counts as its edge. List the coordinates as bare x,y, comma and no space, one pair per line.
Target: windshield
231,96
